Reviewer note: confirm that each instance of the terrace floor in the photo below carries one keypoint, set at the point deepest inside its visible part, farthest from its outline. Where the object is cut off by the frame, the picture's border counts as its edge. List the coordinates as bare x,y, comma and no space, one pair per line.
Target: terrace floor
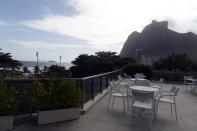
98,118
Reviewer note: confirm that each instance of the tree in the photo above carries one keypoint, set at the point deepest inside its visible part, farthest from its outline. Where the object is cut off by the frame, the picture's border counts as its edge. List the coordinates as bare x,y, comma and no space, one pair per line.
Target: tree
101,62
44,70
36,70
132,69
25,69
175,62
7,62
56,71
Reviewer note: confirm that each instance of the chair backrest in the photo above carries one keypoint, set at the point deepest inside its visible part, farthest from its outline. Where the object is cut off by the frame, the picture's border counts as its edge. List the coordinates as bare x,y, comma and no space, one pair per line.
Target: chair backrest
174,90
120,77
161,80
139,75
142,82
127,81
113,85
143,96
126,76
187,77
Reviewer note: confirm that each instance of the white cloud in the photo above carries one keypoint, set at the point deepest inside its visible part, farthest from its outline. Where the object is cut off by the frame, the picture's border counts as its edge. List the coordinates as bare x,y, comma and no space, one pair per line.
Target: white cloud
44,45
107,23
2,23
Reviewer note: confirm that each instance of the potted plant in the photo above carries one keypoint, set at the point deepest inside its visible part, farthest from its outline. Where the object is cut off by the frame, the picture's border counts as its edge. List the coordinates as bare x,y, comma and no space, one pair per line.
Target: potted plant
9,104
58,100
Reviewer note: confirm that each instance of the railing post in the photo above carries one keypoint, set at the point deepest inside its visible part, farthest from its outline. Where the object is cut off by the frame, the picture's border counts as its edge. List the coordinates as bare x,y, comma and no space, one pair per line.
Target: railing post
101,84
110,77
106,84
81,86
92,88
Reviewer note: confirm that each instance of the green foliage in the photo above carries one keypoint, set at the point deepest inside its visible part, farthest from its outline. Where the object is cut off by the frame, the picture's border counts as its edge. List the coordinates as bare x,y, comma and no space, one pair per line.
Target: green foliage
132,69
171,76
178,62
36,70
55,71
9,99
86,65
25,69
121,62
56,94
8,65
6,61
11,73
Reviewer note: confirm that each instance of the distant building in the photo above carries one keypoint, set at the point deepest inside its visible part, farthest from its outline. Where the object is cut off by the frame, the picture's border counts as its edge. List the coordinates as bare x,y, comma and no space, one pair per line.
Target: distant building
148,60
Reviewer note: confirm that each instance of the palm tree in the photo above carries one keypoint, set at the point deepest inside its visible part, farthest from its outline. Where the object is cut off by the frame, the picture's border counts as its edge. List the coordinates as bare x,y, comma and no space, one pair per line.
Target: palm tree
7,62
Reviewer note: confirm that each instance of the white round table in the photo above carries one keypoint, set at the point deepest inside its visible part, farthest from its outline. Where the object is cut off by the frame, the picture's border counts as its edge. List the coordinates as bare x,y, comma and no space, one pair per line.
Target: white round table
132,79
144,88
156,86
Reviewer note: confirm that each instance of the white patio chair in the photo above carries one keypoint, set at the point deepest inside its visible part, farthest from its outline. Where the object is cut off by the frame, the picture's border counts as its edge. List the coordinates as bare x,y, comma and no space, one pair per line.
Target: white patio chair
188,83
161,80
125,84
119,77
159,86
143,101
139,75
126,76
167,97
195,86
116,91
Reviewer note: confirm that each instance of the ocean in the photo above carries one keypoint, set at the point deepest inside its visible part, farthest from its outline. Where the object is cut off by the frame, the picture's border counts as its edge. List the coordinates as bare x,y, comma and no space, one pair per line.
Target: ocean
31,64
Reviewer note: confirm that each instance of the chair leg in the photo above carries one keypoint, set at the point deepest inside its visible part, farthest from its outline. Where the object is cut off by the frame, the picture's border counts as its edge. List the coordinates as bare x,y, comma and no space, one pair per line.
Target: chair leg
132,116
127,98
175,110
109,100
156,109
124,104
171,108
127,101
113,100
152,118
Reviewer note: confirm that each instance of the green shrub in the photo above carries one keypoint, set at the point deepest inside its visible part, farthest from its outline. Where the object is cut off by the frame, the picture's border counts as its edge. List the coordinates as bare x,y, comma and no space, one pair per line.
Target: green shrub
132,69
9,99
171,76
176,62
57,94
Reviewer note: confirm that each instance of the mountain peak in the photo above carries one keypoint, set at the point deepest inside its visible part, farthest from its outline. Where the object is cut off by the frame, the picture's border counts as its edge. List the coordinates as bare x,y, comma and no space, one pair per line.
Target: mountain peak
162,24
156,26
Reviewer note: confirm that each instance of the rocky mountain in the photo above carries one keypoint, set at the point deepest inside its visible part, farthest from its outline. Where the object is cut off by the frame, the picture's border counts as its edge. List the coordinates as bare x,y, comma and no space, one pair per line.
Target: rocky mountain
156,40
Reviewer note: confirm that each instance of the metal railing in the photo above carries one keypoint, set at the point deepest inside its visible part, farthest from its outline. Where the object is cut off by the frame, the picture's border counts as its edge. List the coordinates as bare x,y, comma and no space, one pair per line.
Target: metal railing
95,84
91,85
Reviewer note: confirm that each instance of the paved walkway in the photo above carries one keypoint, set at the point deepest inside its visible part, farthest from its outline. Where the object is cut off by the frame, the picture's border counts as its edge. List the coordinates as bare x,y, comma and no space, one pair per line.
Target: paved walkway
98,118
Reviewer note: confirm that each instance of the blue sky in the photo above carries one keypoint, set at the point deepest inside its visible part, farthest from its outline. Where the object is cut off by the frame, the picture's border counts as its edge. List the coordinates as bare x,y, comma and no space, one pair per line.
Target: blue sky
18,39
73,27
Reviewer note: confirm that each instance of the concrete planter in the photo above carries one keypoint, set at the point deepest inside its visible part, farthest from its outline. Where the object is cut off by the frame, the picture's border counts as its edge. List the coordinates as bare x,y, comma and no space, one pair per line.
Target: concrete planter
52,116
6,123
